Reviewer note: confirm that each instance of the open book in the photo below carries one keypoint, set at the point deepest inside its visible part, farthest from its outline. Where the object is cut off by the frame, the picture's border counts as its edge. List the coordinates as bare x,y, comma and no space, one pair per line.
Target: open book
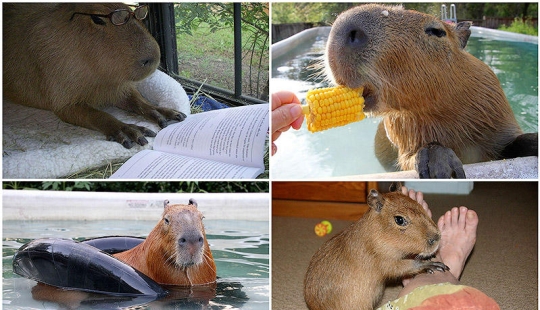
219,144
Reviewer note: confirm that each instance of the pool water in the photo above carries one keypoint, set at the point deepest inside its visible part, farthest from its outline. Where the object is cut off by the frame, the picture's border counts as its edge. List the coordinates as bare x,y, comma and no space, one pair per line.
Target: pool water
240,250
349,150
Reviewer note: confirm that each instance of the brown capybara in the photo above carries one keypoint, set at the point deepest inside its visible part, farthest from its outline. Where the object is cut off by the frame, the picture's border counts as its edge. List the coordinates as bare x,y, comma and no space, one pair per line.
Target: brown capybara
394,239
441,106
71,59
176,251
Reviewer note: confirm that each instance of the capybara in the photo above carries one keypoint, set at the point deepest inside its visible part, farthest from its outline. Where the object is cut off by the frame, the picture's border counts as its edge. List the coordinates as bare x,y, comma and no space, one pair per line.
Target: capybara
71,59
176,250
394,239
441,106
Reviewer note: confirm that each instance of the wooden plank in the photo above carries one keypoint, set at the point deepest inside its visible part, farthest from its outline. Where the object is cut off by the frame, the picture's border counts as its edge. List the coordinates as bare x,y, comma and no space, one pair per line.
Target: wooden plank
322,210
321,191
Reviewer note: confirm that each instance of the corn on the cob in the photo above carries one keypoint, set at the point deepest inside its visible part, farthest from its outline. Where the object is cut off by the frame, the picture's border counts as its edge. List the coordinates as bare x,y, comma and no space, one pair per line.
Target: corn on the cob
332,107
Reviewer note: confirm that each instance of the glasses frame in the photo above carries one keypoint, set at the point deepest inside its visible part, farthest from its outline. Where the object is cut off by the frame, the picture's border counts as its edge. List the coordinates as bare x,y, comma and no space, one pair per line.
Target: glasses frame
109,16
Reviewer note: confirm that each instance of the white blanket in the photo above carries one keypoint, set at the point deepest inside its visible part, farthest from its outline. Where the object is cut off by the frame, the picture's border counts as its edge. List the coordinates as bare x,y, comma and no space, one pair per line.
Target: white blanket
38,145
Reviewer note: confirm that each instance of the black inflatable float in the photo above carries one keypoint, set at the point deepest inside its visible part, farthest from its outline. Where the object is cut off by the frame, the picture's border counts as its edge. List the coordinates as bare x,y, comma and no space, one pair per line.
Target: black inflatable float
75,265
114,244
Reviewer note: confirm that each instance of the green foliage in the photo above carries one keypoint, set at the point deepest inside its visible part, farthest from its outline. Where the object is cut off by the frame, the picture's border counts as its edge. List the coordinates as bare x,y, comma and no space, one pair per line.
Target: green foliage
66,186
218,19
326,12
520,25
307,12
144,187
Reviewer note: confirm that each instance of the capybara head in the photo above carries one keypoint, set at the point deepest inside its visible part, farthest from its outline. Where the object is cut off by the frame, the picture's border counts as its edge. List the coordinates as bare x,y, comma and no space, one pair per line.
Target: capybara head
405,59
401,226
182,225
126,52
74,52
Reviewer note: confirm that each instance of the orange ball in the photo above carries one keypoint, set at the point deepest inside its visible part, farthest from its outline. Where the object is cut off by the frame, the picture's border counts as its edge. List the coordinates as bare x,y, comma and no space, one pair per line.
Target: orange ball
321,229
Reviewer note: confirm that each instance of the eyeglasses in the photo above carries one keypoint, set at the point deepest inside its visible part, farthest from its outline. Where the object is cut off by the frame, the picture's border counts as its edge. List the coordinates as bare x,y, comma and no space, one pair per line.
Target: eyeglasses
121,16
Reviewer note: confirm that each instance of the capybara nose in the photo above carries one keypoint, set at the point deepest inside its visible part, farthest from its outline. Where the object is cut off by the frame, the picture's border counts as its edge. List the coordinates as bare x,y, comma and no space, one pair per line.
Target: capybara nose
356,37
433,239
191,239
149,61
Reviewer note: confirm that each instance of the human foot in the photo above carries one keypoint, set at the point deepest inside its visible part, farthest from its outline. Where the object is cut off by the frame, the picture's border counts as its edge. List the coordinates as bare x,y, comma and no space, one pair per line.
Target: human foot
418,197
458,236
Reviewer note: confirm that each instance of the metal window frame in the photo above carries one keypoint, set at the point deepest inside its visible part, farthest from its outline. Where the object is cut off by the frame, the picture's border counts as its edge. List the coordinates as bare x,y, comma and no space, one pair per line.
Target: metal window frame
161,24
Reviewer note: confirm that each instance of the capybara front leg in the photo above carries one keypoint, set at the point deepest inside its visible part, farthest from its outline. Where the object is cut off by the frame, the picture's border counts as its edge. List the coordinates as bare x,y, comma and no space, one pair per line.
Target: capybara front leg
524,145
435,161
136,103
114,130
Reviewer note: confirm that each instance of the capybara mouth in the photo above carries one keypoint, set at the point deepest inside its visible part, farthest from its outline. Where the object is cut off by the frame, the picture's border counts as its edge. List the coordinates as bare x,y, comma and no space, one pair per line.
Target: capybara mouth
421,256
427,254
370,99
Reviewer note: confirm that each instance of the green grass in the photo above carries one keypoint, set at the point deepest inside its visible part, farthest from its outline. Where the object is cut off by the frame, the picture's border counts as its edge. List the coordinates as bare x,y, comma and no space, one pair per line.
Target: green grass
209,56
522,26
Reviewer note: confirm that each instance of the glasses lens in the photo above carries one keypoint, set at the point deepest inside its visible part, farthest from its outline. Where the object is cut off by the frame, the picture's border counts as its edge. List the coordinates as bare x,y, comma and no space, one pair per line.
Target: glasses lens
141,12
120,17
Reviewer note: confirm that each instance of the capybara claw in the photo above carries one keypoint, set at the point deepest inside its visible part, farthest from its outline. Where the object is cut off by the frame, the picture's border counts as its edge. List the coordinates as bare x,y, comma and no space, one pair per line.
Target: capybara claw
127,144
142,141
164,116
129,134
435,161
147,132
437,266
180,116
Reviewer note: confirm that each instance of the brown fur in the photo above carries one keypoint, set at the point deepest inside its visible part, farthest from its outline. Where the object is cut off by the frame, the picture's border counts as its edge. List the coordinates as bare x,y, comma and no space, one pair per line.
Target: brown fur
166,259
427,88
349,271
74,67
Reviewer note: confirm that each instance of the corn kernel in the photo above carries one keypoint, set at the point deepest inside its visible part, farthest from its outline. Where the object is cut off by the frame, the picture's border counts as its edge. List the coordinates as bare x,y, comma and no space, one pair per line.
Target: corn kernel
332,107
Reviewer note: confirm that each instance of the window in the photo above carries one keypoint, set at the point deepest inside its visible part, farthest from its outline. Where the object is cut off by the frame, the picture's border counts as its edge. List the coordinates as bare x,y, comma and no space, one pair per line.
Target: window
206,53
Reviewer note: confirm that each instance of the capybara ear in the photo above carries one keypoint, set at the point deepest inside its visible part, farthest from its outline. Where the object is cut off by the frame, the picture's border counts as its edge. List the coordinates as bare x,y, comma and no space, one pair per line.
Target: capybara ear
193,202
463,32
165,203
395,187
375,200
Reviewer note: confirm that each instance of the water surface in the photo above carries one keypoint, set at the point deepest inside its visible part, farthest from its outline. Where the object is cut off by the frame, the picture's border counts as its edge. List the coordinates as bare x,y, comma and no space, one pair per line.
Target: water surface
240,250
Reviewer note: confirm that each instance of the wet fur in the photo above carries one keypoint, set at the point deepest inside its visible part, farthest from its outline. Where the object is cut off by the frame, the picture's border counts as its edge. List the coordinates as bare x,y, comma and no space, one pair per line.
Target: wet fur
350,270
160,257
426,88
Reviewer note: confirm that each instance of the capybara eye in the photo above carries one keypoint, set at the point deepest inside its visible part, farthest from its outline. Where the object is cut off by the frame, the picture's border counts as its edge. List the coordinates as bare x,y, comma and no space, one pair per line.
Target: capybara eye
431,31
97,20
166,220
400,220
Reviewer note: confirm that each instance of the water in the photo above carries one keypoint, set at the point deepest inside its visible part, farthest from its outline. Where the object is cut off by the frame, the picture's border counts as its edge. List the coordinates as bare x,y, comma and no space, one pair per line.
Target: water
240,250
349,150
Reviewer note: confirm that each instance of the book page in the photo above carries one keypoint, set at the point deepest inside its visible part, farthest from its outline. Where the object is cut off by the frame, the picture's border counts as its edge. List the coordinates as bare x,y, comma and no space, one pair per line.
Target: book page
233,135
150,164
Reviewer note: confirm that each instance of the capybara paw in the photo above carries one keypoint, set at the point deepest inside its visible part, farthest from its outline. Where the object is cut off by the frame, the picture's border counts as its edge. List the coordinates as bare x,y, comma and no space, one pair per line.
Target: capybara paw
435,161
431,267
130,134
164,115
524,145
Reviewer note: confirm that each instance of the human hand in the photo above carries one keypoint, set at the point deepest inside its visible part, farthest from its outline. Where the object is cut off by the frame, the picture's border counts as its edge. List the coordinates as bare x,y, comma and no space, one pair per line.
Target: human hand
286,113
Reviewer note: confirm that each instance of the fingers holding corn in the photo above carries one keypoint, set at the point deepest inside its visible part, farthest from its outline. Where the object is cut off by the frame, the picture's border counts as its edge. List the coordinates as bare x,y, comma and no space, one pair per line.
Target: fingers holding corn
333,107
